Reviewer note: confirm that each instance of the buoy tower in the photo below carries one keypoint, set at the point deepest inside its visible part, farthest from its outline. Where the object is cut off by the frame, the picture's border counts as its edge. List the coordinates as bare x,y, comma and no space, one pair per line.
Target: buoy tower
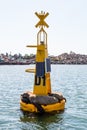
42,99
42,82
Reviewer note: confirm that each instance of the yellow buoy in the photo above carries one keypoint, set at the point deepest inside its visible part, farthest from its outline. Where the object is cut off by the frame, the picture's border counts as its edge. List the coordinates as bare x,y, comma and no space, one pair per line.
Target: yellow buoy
42,99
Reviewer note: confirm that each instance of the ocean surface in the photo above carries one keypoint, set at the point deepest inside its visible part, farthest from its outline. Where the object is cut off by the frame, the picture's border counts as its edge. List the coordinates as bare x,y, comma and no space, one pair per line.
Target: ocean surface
71,80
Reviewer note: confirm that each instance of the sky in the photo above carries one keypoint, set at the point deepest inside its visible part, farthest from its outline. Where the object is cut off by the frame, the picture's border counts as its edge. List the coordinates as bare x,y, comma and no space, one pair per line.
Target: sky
67,22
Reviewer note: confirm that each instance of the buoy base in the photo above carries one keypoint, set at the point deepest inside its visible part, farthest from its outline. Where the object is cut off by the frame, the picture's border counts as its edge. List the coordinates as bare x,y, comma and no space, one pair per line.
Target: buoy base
35,105
48,108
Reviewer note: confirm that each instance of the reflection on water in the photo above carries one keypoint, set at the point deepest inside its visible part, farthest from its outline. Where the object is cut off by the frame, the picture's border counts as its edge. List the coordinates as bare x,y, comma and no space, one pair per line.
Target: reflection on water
42,121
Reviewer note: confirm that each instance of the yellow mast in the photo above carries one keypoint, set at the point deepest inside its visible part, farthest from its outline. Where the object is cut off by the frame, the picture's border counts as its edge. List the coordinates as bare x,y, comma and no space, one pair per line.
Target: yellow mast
42,82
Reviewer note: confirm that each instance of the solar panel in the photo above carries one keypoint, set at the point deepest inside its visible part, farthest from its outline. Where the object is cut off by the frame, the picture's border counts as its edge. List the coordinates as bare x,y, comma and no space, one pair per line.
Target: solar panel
48,66
40,69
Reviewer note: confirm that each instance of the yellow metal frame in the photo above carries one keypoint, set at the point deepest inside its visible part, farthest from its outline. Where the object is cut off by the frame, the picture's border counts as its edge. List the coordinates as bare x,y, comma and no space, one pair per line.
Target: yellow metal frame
41,55
42,16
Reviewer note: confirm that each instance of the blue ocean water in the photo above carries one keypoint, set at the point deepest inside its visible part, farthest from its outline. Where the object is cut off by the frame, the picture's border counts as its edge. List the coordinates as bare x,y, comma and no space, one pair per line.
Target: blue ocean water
71,80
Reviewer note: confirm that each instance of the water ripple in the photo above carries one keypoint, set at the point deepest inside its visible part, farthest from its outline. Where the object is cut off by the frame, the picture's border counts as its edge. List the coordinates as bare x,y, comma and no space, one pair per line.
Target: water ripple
71,80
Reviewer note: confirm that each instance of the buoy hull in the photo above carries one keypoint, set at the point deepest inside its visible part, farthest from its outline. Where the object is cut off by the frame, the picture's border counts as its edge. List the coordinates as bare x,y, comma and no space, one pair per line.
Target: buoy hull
47,108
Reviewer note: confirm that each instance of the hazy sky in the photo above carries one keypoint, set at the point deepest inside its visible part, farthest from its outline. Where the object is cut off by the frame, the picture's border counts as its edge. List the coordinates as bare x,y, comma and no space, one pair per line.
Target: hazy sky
67,25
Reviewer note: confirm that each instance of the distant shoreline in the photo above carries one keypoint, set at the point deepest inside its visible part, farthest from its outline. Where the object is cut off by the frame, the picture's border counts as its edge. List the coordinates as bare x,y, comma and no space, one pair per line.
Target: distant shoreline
34,64
14,64
65,58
